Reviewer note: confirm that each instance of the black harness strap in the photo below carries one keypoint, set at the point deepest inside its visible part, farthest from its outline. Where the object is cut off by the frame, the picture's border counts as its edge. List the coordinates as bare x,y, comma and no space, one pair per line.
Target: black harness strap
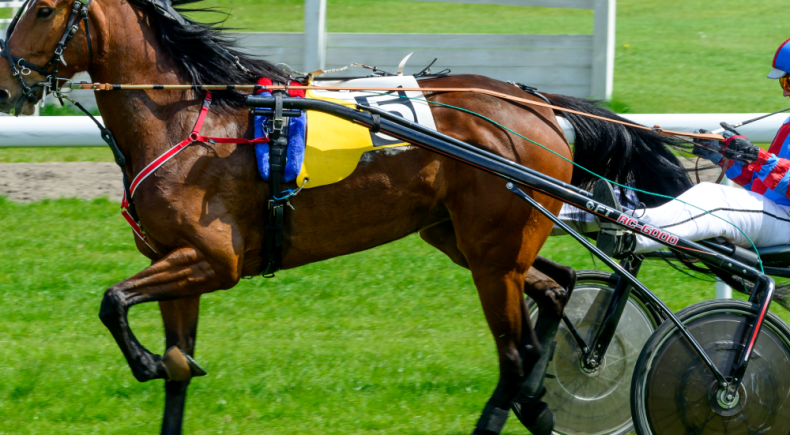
120,159
531,90
49,71
275,222
88,35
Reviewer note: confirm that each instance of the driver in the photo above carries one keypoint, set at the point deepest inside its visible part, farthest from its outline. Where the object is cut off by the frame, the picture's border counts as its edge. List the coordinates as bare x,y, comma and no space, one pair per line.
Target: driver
761,210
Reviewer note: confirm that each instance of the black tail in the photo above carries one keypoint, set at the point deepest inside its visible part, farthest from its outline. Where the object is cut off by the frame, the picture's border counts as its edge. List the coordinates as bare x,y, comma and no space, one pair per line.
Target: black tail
622,154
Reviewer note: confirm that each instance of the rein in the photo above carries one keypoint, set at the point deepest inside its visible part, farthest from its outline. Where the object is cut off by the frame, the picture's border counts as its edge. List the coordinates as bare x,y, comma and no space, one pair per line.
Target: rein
258,88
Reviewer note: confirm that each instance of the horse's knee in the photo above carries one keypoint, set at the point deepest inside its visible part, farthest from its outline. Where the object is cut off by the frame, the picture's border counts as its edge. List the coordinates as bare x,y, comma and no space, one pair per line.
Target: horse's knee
112,307
510,361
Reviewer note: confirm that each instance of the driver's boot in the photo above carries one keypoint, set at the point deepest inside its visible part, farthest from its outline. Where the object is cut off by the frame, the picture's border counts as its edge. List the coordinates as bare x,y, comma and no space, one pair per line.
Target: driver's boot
613,240
532,412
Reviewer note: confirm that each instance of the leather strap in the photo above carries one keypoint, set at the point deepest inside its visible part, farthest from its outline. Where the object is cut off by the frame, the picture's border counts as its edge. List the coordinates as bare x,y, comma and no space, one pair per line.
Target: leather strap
127,204
258,88
275,222
721,175
79,11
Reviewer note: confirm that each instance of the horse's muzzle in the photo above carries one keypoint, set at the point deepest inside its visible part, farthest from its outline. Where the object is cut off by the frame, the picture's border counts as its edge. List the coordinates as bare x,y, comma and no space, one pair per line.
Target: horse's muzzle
5,96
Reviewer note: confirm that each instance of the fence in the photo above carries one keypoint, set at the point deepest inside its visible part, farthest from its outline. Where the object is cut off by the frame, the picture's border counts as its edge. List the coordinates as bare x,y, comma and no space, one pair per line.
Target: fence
4,22
67,131
577,65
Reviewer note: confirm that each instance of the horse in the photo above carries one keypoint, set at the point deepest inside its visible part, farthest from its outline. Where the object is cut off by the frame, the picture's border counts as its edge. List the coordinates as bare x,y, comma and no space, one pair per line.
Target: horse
204,213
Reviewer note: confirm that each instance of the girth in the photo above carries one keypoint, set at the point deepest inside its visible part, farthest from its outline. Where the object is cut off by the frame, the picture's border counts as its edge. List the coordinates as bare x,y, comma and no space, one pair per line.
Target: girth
275,220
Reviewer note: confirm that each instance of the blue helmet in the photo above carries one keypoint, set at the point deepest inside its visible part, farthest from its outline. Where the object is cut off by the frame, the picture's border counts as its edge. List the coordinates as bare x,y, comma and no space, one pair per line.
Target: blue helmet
781,61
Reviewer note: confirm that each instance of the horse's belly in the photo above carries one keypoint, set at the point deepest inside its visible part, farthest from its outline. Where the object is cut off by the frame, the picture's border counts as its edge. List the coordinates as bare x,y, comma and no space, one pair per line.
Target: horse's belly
391,194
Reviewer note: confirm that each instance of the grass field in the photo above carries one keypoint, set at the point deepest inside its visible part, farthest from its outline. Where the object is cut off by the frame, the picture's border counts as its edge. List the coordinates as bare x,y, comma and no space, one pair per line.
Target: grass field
389,341
673,56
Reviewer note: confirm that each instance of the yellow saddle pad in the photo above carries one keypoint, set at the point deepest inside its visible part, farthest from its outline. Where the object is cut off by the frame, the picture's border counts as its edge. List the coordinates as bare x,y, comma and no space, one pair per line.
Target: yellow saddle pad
335,146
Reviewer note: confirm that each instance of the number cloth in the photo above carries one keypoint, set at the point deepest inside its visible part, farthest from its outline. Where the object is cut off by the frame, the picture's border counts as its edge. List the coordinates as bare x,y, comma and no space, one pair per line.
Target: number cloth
335,146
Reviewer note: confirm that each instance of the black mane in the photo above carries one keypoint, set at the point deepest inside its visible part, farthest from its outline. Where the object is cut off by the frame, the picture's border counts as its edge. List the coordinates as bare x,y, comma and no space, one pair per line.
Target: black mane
201,61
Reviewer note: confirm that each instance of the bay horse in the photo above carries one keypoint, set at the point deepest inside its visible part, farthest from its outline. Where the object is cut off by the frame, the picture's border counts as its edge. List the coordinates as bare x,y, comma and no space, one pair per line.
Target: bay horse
204,212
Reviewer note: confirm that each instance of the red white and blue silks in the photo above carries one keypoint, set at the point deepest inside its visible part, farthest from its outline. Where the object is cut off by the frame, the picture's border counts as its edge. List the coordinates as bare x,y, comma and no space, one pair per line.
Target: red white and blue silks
194,137
769,175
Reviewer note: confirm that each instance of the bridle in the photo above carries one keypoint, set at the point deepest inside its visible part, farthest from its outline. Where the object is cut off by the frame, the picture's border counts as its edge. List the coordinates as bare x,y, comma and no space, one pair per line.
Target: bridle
79,13
20,67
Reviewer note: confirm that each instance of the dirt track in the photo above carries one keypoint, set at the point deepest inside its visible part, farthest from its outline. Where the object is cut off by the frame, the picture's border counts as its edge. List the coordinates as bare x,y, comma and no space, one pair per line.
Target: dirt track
26,182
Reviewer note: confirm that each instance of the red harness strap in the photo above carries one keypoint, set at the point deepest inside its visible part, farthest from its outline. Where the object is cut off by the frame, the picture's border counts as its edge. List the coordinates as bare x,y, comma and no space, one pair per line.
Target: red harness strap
169,154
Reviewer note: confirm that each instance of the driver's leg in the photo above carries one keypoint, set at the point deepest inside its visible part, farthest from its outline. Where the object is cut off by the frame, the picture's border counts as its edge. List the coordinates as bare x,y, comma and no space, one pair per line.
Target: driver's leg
734,214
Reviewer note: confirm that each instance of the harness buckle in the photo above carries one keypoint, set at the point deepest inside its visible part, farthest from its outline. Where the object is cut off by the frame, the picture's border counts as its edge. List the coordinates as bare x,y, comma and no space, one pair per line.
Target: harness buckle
25,71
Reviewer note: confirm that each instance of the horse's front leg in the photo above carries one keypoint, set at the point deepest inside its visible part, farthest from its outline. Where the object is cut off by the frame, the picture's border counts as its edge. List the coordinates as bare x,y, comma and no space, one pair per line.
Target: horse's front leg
180,319
183,273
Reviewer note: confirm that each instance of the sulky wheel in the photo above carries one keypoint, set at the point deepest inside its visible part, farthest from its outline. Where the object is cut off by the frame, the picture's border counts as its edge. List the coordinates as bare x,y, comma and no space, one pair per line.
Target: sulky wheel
595,402
673,392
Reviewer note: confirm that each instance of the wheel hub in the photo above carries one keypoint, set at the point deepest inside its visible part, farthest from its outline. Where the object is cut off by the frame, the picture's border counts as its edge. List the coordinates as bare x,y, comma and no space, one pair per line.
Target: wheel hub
726,406
594,400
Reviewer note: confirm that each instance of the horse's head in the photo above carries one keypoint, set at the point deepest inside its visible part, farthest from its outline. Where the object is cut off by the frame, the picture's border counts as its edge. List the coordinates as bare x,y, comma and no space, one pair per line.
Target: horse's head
48,40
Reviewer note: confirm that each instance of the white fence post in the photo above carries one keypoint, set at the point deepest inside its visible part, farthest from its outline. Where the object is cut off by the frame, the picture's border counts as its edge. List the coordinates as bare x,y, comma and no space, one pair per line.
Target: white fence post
603,49
723,291
314,35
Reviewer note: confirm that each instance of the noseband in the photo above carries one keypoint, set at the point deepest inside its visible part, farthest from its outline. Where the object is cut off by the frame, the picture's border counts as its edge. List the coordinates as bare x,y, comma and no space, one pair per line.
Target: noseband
79,13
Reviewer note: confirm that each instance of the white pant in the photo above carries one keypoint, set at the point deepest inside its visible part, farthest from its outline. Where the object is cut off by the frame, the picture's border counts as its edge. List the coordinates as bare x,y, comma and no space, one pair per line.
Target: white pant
764,221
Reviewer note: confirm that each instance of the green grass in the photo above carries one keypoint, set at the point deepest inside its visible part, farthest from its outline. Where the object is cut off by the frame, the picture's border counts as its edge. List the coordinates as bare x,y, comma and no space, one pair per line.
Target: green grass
673,56
56,154
391,340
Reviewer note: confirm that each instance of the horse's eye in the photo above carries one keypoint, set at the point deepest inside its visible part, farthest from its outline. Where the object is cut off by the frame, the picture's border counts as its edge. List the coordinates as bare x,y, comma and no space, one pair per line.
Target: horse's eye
44,12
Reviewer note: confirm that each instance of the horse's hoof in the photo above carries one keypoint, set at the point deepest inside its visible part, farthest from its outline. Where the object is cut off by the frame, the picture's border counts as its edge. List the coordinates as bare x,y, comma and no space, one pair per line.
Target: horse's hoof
544,424
180,366
536,417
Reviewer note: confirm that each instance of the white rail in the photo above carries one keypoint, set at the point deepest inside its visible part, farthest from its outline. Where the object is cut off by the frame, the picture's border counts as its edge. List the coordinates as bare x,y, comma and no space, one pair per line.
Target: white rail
70,131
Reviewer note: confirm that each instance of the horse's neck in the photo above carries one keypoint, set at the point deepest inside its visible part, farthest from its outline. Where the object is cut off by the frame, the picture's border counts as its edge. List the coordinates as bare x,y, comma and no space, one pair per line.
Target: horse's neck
145,123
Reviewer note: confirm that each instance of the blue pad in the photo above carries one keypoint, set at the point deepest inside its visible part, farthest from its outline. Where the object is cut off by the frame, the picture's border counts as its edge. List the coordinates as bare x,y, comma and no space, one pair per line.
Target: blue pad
296,143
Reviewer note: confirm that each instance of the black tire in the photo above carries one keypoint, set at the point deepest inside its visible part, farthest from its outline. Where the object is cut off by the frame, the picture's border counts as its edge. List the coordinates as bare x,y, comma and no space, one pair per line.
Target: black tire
602,408
673,392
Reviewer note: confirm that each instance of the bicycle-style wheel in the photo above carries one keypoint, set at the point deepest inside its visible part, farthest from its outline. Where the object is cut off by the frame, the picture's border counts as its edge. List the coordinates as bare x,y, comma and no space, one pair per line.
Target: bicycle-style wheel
595,402
674,392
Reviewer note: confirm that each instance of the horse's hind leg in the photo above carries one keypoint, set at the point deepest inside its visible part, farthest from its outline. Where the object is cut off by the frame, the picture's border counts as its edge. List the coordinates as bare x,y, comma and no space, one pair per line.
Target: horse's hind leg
180,320
551,298
501,294
549,284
